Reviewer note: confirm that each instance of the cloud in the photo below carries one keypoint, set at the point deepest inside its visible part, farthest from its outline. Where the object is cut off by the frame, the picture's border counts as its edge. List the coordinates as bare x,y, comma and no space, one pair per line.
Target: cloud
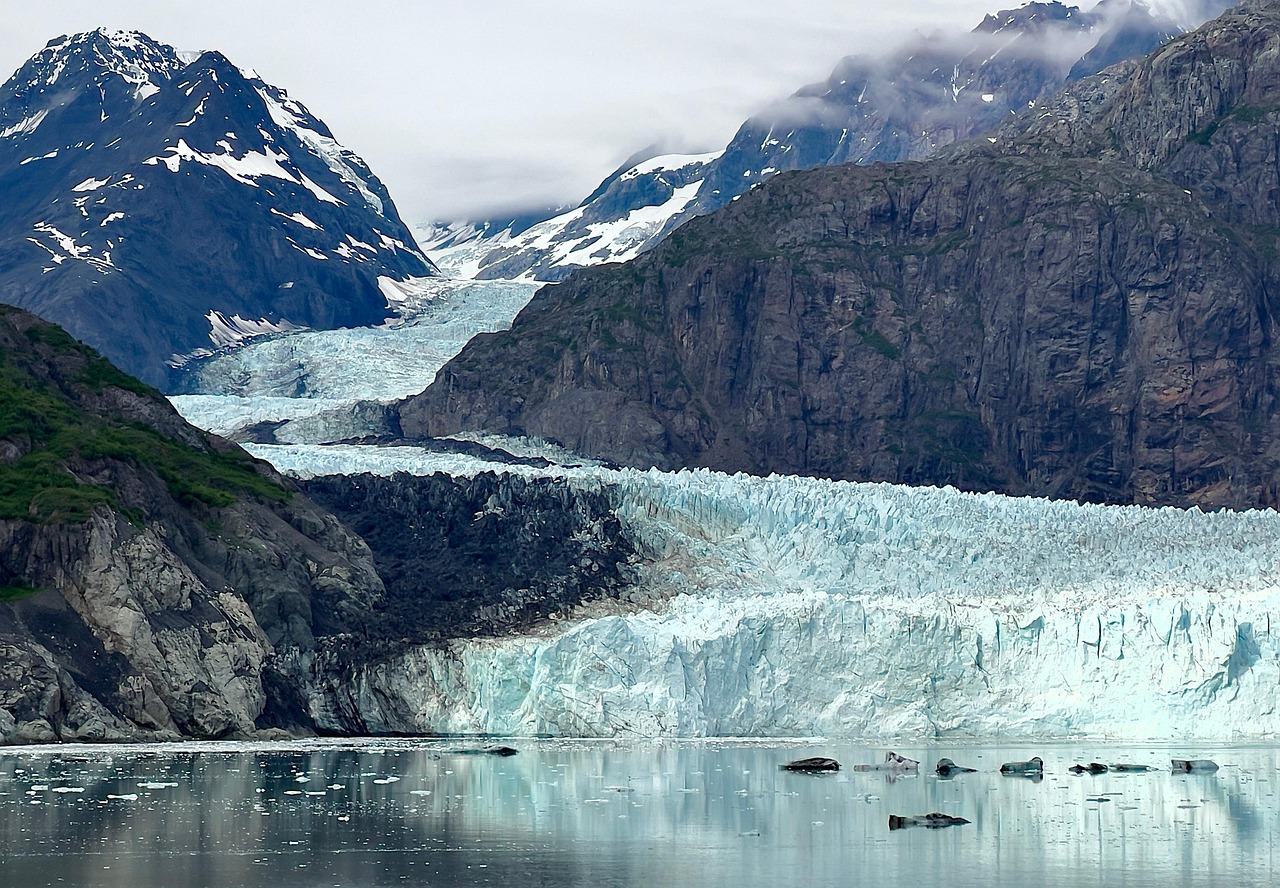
461,107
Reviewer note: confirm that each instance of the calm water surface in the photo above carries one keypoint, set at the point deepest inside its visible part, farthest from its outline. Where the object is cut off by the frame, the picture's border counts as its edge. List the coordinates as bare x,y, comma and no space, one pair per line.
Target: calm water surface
703,814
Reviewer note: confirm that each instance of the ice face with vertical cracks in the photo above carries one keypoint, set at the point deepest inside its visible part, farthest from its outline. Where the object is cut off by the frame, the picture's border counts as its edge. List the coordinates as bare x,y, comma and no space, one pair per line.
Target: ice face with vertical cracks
787,606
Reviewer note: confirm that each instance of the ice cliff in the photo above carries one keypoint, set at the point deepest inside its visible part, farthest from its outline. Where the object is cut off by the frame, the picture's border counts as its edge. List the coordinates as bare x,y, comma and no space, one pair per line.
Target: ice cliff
789,606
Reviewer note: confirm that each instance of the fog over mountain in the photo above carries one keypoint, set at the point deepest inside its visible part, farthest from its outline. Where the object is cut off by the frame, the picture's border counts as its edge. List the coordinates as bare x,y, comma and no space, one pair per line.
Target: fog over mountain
432,95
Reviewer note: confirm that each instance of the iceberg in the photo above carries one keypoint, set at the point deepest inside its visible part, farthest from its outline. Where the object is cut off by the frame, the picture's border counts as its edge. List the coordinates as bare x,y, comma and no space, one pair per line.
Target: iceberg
788,606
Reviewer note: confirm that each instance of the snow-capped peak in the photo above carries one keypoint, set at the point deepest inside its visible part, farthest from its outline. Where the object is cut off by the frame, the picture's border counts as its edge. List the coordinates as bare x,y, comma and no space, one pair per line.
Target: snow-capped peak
109,137
131,55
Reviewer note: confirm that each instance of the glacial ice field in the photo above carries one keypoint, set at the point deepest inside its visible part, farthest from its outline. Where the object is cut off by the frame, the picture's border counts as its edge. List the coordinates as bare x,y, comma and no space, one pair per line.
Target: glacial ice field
787,606
314,373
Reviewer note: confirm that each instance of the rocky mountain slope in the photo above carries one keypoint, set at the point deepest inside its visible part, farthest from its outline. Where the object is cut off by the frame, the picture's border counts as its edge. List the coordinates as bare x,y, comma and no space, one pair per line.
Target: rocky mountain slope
156,582
905,106
1079,306
159,203
149,573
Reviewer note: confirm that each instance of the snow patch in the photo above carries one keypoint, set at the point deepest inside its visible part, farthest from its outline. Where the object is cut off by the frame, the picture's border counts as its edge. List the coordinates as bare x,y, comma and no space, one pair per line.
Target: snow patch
299,218
227,331
91,184
25,126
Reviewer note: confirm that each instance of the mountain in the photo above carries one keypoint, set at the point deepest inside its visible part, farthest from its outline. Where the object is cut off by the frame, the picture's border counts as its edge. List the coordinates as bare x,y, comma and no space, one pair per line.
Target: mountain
905,106
153,578
627,213
157,583
159,203
1081,305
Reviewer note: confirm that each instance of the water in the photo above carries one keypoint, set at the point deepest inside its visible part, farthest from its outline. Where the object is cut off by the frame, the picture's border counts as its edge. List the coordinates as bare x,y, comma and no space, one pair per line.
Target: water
670,814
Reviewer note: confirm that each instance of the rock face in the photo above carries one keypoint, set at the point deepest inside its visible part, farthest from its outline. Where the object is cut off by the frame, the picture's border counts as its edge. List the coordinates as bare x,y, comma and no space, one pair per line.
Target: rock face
159,203
468,557
907,105
1081,306
465,558
152,578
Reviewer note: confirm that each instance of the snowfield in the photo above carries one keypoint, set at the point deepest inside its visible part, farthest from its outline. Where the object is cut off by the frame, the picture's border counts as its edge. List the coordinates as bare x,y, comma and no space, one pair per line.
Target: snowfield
790,606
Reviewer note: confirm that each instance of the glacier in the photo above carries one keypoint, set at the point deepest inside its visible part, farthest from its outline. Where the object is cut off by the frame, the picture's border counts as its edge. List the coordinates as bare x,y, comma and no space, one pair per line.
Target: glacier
788,606
326,373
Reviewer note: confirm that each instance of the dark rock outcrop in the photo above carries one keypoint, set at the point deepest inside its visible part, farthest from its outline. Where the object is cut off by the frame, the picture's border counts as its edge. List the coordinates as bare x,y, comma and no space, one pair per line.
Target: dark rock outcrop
151,575
481,556
1081,306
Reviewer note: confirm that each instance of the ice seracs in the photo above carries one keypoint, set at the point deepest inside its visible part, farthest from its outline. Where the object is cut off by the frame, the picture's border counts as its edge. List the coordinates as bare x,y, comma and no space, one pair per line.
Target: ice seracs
789,606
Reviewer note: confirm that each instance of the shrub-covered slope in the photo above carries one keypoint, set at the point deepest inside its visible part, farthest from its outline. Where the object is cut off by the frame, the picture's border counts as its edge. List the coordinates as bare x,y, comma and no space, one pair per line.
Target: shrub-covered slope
150,574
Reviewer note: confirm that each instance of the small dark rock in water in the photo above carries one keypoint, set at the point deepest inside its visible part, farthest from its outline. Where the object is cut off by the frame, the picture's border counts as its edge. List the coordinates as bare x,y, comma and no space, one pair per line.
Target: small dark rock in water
1200,766
948,768
488,750
929,821
1125,768
1032,768
1091,768
817,763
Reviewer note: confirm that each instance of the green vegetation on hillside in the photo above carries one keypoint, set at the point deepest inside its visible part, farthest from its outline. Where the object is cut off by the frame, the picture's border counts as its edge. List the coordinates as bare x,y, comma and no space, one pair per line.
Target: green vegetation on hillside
54,434
16,591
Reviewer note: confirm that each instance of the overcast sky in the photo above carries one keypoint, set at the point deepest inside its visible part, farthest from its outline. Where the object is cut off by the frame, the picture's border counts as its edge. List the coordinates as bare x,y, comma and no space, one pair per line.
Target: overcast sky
466,107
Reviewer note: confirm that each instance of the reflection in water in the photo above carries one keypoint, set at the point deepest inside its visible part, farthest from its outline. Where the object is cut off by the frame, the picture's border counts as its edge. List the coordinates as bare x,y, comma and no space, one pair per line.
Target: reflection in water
606,814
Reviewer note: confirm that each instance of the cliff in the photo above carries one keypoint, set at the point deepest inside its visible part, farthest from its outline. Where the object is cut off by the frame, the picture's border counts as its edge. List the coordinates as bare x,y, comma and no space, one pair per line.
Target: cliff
151,575
1080,306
